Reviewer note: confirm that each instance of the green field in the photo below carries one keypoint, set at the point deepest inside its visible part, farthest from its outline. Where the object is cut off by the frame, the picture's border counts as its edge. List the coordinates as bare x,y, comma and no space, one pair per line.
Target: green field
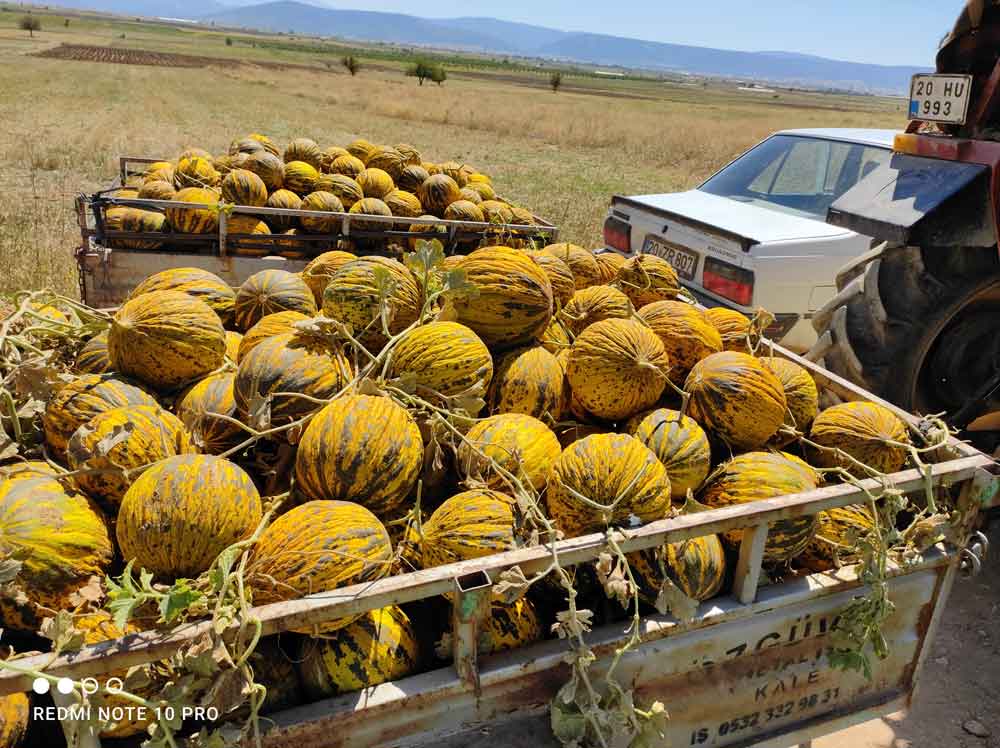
65,122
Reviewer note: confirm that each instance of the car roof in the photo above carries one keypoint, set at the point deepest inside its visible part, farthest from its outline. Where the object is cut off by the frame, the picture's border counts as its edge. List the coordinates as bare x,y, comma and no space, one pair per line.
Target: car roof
879,138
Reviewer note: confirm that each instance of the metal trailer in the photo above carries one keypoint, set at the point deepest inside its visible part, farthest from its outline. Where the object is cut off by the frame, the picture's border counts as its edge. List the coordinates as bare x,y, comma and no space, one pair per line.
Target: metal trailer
112,262
748,668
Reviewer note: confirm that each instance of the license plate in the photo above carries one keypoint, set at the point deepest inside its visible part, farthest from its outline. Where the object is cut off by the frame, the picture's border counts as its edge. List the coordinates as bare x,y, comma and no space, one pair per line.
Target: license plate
684,261
940,98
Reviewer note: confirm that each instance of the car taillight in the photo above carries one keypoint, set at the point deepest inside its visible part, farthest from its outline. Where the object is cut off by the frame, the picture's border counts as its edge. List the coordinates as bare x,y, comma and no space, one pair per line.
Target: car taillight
730,282
618,234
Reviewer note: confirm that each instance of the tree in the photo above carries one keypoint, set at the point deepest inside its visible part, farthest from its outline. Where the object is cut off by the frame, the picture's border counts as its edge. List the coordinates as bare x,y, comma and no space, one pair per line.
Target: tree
29,23
229,41
351,63
421,70
438,74
555,80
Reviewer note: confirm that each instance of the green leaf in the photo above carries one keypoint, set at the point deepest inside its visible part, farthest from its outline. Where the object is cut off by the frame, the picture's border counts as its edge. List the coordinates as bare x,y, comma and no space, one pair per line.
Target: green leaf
178,599
121,609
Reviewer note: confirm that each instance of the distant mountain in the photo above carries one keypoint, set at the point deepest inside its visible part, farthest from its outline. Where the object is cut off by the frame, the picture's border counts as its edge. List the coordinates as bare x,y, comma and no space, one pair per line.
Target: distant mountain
151,8
494,36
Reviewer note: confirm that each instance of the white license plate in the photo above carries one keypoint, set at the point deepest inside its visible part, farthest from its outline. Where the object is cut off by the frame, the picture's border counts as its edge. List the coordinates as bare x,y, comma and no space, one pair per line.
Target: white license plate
684,261
940,98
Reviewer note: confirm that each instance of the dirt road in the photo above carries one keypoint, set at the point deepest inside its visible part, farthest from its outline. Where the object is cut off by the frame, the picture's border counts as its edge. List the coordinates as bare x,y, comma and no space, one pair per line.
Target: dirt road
960,684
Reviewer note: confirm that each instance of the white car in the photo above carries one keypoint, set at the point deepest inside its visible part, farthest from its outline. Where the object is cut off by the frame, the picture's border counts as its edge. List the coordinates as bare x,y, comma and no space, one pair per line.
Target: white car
755,234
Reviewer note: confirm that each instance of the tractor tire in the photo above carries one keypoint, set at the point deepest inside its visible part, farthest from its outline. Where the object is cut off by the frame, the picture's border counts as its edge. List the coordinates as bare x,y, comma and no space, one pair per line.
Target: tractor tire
919,327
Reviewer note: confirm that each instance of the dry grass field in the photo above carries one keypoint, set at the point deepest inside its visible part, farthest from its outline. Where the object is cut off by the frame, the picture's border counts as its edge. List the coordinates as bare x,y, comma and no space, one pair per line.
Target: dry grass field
63,123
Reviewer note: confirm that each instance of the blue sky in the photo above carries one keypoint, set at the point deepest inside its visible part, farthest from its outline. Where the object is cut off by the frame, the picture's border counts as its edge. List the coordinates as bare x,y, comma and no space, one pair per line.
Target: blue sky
888,32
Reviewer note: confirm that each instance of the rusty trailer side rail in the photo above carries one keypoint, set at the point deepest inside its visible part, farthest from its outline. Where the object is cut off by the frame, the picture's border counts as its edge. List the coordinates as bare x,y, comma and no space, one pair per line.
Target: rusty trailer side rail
748,667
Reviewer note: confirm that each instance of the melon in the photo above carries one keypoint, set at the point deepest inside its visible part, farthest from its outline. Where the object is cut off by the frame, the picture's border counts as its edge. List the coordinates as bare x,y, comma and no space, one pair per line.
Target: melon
458,172
194,153
242,146
464,210
555,338
837,533
680,444
687,335
510,443
278,368
429,228
470,195
647,278
608,264
801,397
284,200
593,304
370,206
443,359
203,220
14,710
80,400
469,525
755,476
199,408
412,177
733,327
403,203
322,202
389,160
483,189
514,300
321,269
93,357
304,150
360,448
136,221
243,187
360,149
183,512
196,282
736,397
300,177
114,445
375,183
59,537
437,192
265,141
496,212
408,152
163,171
697,565
353,297
580,262
270,291
615,471
195,172
378,647
867,432
317,547
528,381
510,626
616,368
559,275
346,189
329,155
166,339
242,231
268,167
157,189
349,166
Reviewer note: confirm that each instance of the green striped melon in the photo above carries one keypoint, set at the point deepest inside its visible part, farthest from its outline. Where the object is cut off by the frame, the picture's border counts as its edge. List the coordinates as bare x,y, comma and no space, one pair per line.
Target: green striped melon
349,166
300,177
157,189
360,149
687,335
203,220
559,275
329,155
243,187
270,291
801,397
838,531
166,339
321,269
80,400
680,444
370,206
580,262
375,183
199,408
113,445
196,282
317,547
511,443
615,471
437,192
322,202
271,375
360,448
755,476
269,326
284,200
404,204
529,381
464,210
408,152
608,265
136,221
93,357
195,172
592,304
389,160
378,647
268,167
733,327
412,177
304,150
866,432
183,512
443,359
344,187
469,525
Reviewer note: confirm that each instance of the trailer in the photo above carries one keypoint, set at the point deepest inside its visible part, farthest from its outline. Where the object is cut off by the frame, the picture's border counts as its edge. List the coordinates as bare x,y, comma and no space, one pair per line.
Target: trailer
111,262
749,668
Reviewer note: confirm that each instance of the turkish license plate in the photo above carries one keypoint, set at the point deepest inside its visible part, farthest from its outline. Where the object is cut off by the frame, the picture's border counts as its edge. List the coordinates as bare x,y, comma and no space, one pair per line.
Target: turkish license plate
940,98
684,261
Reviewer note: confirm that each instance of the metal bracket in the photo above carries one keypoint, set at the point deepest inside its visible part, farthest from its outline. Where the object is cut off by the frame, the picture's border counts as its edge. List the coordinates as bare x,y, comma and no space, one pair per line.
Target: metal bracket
470,607
971,557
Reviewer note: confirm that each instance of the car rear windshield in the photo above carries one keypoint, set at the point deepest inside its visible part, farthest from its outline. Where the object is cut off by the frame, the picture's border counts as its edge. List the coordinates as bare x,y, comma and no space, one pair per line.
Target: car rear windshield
796,174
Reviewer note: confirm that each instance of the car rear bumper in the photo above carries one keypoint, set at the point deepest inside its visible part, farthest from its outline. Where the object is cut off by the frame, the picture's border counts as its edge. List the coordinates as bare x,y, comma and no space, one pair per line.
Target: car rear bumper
783,322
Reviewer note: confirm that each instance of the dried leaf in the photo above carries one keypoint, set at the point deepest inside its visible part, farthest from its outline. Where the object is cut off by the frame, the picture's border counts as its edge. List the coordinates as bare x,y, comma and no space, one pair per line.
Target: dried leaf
512,585
673,601
228,691
60,631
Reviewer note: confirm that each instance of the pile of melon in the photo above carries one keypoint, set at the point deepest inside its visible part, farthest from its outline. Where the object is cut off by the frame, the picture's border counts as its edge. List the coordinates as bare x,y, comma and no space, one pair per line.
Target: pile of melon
361,178
562,378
